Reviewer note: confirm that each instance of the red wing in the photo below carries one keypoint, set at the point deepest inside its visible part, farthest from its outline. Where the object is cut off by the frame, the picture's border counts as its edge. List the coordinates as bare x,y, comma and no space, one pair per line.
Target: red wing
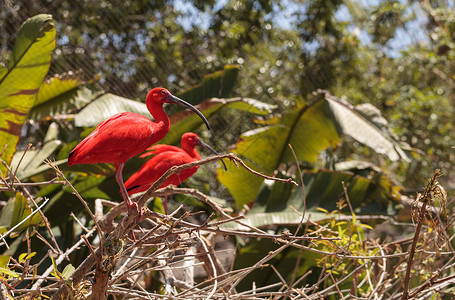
116,139
154,168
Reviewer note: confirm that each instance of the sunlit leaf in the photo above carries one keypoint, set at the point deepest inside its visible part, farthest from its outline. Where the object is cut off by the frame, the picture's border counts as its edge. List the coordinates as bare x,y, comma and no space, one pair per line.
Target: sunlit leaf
61,95
55,271
33,159
264,219
19,84
57,85
354,124
8,272
25,256
4,270
4,259
68,271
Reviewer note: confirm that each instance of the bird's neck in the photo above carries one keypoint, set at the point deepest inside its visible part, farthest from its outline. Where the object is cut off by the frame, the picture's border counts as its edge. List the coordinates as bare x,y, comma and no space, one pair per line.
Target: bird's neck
161,120
192,151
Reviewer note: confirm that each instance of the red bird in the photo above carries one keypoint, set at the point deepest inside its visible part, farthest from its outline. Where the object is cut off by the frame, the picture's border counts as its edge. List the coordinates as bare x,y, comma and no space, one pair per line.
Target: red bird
165,158
127,134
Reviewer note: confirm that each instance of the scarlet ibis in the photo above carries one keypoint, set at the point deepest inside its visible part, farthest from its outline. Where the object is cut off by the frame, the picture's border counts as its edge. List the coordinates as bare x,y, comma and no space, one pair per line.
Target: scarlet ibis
127,134
165,157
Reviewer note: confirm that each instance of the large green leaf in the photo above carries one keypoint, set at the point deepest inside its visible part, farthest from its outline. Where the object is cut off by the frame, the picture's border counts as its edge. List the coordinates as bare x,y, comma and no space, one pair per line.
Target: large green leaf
107,106
31,162
60,95
323,189
19,84
57,85
370,133
282,218
4,270
218,84
310,129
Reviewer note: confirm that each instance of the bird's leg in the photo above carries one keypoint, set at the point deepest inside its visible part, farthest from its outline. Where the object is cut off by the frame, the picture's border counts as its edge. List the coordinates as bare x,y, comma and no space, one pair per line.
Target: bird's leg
128,203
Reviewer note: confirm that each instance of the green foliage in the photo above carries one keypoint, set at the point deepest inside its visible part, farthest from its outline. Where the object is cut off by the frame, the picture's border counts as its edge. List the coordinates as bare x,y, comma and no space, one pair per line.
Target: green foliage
65,275
18,211
386,18
60,95
309,129
219,84
29,162
5,272
284,262
351,235
25,256
30,60
281,203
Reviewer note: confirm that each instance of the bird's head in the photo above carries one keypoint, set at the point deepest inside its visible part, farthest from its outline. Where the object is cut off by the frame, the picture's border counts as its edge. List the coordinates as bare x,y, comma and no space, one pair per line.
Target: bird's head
191,140
161,95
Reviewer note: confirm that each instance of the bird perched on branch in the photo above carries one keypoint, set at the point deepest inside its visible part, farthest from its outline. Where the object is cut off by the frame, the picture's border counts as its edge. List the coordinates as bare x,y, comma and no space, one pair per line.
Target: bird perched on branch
165,157
127,134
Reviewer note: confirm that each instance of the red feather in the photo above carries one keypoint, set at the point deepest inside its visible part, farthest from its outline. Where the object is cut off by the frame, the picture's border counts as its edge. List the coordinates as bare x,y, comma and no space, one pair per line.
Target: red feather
165,157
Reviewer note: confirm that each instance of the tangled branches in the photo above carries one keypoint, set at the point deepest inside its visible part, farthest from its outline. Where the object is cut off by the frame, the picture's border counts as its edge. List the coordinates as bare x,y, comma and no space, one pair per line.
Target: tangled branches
179,256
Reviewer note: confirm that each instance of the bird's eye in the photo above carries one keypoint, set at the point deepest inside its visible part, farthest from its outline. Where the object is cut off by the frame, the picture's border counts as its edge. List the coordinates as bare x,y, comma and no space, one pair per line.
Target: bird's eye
163,92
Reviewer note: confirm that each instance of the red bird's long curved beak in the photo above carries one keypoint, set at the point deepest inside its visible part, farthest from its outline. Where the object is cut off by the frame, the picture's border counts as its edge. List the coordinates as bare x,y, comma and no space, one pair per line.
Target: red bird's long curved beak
201,143
173,99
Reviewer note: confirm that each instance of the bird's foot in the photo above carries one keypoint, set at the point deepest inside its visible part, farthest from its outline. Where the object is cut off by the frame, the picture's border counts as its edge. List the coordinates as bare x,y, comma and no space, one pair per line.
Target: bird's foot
134,206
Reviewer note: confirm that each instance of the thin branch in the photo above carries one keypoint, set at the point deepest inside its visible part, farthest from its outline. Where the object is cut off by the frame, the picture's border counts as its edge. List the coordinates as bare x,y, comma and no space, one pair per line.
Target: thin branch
2,237
61,175
4,292
60,259
176,169
425,199
87,243
43,217
212,264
